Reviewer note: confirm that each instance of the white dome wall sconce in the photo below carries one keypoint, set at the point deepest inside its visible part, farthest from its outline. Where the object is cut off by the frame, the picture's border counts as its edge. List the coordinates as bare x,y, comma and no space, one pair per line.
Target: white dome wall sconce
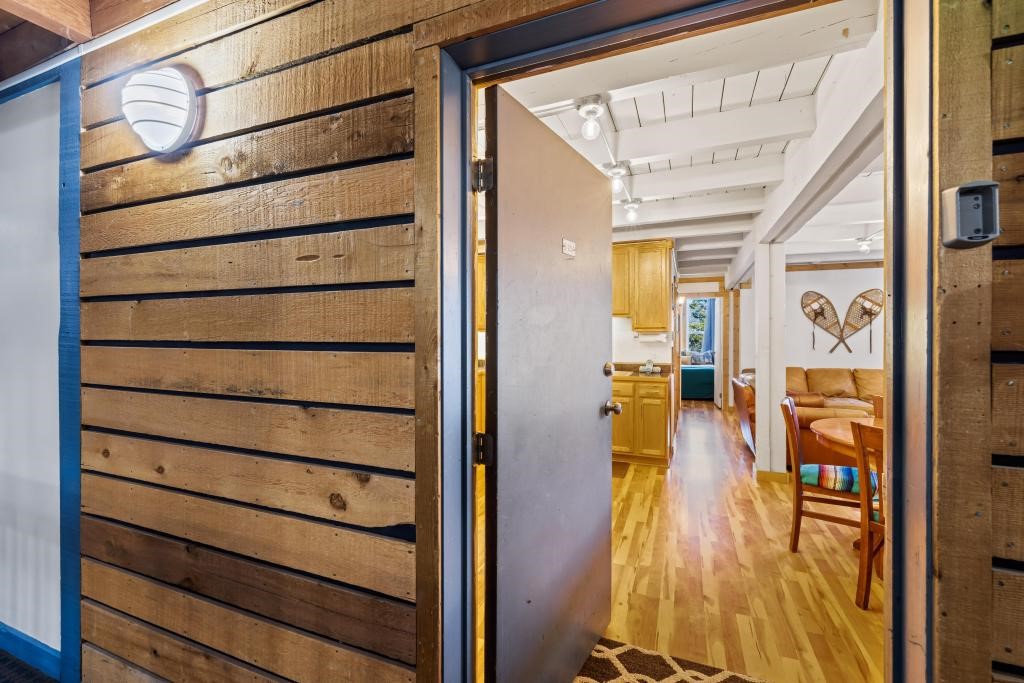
162,108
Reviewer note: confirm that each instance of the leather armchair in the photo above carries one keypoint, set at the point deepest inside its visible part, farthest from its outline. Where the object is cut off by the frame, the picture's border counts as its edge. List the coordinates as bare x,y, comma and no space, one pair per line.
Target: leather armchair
812,404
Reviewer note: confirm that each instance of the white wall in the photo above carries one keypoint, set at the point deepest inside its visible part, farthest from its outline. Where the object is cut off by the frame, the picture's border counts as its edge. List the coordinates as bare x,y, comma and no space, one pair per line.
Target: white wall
29,310
746,328
628,347
840,286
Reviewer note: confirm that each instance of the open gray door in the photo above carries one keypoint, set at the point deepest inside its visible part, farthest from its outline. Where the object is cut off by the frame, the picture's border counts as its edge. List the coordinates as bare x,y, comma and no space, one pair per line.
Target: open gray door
549,235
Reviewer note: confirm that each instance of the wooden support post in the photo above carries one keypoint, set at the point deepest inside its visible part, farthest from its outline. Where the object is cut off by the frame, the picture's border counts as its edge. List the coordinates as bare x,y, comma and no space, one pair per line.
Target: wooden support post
769,355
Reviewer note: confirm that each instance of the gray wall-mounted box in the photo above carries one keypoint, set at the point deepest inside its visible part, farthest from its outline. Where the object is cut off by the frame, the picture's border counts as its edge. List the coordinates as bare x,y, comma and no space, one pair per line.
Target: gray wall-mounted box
970,214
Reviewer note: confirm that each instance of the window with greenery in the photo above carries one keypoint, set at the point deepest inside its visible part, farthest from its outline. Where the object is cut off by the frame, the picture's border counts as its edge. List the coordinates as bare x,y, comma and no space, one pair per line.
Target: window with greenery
696,317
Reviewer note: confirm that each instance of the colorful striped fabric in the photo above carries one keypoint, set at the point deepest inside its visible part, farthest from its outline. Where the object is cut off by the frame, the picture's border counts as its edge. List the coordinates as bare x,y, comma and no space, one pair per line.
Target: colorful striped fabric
835,478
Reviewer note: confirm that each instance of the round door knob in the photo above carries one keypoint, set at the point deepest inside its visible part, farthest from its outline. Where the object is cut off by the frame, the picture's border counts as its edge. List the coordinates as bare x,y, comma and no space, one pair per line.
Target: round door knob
610,407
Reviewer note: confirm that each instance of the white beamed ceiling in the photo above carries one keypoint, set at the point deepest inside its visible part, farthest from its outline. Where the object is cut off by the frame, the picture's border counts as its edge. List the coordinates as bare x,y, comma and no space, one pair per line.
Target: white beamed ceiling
705,123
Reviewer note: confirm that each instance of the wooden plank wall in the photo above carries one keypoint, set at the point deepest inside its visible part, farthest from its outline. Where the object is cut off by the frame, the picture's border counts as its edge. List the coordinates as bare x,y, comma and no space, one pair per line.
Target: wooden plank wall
260,456
1008,342
248,463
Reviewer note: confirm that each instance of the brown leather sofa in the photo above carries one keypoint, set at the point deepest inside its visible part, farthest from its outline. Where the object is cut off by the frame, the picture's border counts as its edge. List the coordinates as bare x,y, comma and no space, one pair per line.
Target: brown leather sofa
819,393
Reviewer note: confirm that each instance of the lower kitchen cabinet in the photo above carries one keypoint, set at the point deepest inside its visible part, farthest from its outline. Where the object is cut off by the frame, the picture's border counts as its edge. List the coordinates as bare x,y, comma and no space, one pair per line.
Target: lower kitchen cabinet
640,434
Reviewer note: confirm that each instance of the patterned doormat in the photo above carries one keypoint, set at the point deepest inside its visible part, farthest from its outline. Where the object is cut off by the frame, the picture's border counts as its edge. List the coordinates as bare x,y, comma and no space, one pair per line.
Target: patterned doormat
16,671
614,662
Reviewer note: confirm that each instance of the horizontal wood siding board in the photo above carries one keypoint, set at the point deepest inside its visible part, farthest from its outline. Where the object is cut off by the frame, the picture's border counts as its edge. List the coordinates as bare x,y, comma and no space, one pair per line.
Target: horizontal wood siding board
336,377
1008,171
357,558
375,191
1008,513
1007,18
373,623
1008,409
332,493
164,654
98,665
1008,93
374,70
363,256
1008,619
276,648
485,16
377,130
110,14
382,440
179,33
1007,313
365,315
260,50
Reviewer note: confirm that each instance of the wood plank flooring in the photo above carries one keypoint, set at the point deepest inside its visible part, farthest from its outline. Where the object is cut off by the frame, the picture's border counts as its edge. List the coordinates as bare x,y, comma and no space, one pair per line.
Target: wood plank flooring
701,568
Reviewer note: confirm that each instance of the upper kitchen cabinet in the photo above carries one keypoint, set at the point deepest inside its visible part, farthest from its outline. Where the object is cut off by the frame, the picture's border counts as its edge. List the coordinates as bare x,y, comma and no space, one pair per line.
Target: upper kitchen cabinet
622,279
642,283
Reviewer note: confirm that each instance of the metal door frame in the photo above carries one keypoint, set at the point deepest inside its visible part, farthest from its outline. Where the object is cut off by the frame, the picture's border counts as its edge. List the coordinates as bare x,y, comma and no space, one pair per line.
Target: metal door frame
590,31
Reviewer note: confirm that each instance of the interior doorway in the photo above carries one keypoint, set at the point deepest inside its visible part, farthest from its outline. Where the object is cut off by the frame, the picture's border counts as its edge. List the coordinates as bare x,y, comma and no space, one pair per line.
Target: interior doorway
712,237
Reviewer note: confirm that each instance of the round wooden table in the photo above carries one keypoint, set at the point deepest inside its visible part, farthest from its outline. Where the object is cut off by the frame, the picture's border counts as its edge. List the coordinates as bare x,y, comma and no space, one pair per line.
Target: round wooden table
836,434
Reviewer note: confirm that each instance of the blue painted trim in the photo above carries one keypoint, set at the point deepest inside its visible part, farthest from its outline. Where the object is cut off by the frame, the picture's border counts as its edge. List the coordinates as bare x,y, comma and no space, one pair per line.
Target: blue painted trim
29,650
25,87
69,345
66,664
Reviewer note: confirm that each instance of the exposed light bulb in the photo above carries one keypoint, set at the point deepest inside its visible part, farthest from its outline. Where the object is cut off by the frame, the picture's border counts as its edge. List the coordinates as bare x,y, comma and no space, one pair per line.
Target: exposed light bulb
865,247
631,210
591,129
617,172
591,108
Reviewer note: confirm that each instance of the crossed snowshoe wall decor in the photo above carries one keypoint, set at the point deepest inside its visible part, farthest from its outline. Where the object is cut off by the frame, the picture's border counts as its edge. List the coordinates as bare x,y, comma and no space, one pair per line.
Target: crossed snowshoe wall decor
862,311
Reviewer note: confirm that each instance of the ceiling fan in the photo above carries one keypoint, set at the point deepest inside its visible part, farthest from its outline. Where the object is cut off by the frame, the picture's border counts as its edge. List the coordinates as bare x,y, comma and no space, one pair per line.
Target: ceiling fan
863,243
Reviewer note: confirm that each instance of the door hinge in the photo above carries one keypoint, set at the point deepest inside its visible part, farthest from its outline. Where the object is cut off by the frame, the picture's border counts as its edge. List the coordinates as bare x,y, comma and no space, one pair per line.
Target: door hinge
483,449
483,175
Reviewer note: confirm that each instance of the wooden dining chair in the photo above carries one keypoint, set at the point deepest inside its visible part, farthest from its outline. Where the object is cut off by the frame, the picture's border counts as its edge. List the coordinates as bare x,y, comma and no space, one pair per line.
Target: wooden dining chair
878,402
868,442
828,485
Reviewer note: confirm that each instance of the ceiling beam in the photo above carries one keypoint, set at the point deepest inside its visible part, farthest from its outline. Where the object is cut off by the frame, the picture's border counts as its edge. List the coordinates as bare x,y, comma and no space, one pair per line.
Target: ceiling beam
683,229
849,213
737,203
68,18
690,247
824,30
701,269
835,256
724,130
848,141
699,257
729,175
26,45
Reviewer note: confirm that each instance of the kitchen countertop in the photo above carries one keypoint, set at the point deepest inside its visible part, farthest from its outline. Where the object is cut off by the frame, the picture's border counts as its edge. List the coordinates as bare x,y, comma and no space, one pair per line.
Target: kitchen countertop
635,374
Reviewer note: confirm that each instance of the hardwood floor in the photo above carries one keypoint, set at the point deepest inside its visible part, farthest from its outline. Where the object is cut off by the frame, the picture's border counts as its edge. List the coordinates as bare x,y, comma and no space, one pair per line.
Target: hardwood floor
701,568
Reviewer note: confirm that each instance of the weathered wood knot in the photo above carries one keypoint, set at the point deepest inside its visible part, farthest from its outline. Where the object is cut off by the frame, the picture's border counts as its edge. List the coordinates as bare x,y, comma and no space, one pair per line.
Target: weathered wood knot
338,501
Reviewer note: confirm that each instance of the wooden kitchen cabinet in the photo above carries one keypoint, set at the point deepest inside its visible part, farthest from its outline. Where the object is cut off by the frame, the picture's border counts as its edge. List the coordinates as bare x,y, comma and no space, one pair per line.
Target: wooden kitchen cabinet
642,283
622,279
622,425
641,433
652,281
